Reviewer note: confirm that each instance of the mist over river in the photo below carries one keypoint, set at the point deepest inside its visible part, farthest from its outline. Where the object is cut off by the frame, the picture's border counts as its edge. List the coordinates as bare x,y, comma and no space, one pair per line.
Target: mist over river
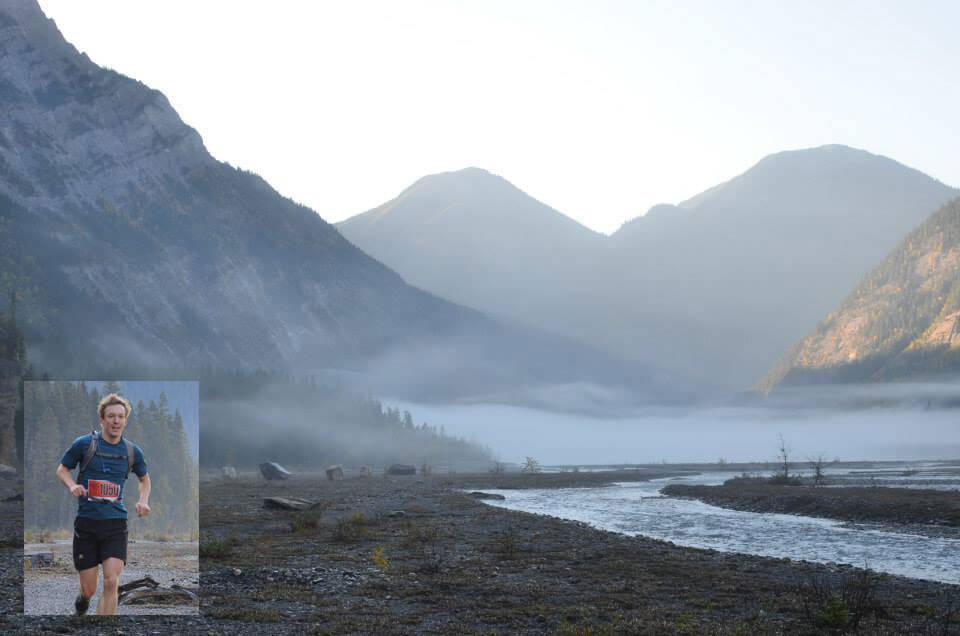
735,434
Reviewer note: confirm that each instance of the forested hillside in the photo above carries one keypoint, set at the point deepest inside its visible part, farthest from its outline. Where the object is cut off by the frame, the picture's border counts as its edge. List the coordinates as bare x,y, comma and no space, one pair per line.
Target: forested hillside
902,321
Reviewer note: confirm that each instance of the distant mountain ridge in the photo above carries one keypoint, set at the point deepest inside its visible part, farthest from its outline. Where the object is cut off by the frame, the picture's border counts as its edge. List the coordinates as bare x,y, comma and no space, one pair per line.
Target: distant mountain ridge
716,287
154,253
473,237
901,322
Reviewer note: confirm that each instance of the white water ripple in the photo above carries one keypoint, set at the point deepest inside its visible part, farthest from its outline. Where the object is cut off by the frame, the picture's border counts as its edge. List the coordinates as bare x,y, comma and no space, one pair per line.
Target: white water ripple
638,509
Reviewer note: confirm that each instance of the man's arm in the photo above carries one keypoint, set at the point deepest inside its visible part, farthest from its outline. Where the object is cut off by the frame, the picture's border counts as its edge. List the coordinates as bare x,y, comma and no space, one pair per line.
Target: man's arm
63,474
143,505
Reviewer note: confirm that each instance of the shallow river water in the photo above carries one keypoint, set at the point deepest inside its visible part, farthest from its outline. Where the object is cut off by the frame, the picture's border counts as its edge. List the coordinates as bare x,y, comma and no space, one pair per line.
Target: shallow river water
637,508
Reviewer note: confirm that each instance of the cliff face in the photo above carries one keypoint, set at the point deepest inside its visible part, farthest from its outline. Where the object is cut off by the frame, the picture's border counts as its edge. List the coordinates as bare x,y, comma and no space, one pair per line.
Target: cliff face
902,321
136,247
144,236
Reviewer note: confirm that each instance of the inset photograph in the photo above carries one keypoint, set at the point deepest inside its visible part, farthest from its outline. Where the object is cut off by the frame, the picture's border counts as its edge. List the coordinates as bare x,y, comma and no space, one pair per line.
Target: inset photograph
111,498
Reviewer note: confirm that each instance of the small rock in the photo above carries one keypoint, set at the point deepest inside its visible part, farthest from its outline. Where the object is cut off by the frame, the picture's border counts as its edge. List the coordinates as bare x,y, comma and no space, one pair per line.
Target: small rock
236,571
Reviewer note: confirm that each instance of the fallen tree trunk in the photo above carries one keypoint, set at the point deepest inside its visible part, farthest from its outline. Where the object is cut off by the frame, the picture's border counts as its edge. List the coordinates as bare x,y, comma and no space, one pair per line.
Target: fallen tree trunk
289,503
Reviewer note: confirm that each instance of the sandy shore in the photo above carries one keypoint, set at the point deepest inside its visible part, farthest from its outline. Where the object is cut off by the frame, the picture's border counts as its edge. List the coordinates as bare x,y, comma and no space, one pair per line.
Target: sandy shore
418,555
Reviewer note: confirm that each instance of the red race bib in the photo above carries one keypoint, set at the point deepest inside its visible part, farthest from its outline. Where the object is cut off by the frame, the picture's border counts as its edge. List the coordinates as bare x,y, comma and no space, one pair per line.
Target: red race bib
103,490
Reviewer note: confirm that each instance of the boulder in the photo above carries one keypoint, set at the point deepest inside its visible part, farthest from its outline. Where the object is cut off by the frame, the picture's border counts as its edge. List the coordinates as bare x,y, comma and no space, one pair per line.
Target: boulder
229,472
335,473
273,470
401,469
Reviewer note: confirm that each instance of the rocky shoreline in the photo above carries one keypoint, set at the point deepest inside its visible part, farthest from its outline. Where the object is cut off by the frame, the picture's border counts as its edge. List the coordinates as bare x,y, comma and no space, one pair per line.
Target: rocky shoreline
419,555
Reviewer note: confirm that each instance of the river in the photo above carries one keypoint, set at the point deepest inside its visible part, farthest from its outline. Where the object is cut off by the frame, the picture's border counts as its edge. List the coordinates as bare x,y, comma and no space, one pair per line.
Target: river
637,508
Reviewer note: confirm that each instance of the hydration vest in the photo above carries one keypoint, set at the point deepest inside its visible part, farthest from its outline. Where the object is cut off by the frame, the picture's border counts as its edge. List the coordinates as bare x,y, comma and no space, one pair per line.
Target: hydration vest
92,450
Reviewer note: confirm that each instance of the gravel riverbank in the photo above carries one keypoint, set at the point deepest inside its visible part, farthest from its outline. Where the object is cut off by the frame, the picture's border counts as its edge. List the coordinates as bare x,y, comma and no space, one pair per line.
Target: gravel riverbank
927,512
51,590
419,555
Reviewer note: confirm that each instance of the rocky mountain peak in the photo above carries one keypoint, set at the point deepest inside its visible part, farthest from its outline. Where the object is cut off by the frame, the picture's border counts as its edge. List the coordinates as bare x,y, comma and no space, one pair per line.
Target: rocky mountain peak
92,134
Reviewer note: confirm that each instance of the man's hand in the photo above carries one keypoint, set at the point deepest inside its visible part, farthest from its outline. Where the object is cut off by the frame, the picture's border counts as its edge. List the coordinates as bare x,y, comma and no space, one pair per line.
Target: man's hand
77,490
142,509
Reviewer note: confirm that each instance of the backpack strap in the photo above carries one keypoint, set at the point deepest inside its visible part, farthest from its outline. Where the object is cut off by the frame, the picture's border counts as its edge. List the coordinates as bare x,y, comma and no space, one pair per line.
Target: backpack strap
129,446
91,451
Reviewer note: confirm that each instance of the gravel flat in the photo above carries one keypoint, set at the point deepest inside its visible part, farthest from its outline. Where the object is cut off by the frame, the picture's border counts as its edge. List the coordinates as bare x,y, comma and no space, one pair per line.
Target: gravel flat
52,590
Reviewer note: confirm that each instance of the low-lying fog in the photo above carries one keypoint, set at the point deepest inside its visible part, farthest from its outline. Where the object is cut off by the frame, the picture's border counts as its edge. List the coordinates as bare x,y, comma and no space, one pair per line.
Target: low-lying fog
735,434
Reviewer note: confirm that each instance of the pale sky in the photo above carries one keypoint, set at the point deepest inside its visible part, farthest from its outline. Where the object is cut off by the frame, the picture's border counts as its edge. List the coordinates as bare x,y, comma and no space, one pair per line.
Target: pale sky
598,109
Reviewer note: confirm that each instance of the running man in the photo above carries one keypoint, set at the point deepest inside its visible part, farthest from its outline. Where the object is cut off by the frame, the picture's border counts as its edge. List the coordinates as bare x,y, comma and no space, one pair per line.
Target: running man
100,529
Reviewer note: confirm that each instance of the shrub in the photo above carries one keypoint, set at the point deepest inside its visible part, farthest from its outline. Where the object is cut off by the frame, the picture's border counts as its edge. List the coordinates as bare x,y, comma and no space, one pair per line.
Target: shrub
307,521
506,544
838,603
380,560
350,528
216,548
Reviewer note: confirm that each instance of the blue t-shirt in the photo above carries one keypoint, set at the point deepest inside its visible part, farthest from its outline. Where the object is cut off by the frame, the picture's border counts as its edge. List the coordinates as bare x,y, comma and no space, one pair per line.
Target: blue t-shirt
111,469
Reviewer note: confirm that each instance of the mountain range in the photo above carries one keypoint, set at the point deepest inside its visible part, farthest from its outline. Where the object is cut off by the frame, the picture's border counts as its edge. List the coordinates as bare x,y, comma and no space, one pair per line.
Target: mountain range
137,247
125,243
716,288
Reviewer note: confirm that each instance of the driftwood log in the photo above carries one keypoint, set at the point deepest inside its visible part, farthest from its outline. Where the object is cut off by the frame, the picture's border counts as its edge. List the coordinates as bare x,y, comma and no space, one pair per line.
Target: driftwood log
289,503
146,590
125,589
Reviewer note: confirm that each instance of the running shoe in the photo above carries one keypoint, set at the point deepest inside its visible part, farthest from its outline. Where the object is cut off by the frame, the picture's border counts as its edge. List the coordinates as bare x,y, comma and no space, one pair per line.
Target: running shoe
82,603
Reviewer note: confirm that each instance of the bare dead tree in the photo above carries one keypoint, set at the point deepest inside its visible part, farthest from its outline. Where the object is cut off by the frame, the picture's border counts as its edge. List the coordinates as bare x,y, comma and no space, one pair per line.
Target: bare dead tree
816,465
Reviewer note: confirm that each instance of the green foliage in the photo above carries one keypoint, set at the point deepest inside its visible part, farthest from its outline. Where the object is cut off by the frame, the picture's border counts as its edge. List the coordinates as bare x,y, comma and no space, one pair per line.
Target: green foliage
833,615
305,522
838,602
216,548
350,529
380,560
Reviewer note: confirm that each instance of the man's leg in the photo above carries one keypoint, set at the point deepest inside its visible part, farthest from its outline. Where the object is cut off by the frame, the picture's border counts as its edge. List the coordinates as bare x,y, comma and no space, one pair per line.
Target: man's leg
86,561
112,567
88,587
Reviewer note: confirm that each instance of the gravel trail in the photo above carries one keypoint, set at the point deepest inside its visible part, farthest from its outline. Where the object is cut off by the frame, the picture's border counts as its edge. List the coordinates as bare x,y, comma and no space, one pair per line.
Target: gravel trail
52,590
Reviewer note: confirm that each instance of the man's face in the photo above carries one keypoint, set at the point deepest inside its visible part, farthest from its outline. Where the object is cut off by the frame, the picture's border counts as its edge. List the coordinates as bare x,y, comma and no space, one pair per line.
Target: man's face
114,420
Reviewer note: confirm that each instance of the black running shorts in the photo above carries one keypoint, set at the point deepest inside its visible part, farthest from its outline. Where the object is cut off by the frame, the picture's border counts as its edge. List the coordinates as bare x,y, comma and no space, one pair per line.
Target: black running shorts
96,540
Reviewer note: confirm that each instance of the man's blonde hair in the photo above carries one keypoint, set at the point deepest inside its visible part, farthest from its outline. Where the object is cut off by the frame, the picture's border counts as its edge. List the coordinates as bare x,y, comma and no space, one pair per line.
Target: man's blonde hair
110,400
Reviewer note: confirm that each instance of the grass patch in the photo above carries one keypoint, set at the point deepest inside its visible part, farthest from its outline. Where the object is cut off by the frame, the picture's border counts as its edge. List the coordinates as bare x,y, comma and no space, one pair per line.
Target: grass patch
217,548
350,529
42,535
305,522
247,614
507,544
